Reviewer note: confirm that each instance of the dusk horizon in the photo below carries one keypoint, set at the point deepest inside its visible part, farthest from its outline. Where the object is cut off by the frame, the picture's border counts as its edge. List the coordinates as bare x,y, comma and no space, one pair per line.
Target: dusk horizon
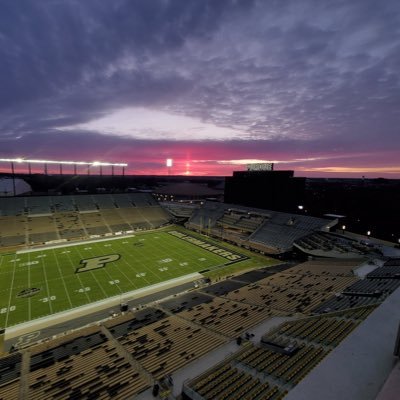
185,169
311,86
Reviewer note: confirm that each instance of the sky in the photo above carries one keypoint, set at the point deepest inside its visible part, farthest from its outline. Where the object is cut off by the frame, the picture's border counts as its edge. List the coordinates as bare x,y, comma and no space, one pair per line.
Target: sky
311,85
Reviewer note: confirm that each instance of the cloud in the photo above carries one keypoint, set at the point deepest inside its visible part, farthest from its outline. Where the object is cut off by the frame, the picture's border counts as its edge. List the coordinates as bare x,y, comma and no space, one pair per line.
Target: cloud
279,80
141,123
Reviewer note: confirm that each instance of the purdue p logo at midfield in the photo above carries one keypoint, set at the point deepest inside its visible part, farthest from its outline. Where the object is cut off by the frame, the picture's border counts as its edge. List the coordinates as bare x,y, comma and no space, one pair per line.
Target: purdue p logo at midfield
89,264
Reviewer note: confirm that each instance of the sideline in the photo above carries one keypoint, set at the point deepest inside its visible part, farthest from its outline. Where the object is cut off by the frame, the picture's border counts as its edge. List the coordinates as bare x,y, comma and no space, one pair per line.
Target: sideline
45,322
92,240
70,244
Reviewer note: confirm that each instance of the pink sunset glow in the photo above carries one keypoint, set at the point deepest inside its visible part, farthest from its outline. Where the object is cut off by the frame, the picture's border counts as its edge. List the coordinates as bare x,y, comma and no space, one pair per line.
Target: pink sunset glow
307,85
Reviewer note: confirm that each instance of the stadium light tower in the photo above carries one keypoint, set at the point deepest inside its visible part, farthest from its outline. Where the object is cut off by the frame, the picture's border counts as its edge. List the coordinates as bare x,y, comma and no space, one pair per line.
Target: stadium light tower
74,164
169,164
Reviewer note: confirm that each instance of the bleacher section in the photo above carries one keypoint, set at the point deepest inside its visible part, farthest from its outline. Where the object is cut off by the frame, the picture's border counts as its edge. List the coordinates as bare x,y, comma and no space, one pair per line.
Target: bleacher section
326,331
285,355
205,218
84,367
326,267
376,286
282,300
168,345
85,203
37,220
227,317
39,206
229,382
320,302
262,230
245,222
308,282
13,230
129,322
281,230
10,368
180,210
61,203
322,244
12,206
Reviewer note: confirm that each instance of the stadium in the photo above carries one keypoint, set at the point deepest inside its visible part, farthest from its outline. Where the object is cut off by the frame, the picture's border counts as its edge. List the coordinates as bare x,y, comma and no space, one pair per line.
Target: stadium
199,200
126,295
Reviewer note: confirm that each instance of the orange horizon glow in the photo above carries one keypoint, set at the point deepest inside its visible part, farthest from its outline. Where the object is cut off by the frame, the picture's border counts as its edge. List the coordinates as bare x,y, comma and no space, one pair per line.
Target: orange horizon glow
203,168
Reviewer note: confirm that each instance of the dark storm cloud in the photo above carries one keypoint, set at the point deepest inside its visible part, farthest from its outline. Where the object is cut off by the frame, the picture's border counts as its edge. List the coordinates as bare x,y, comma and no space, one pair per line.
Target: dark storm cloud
295,78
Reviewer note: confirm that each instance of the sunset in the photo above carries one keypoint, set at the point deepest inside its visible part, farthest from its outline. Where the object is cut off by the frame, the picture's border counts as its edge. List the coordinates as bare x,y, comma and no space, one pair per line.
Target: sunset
309,85
199,199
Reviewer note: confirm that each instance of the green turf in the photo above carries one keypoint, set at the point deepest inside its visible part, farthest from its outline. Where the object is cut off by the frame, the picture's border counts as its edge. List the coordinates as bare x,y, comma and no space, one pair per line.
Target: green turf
145,259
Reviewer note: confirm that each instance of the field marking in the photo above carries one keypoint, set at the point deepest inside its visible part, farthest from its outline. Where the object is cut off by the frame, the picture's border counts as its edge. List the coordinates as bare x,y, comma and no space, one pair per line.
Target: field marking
48,289
123,273
93,276
131,269
29,285
192,252
97,282
151,269
166,248
62,277
9,298
79,243
62,316
77,275
185,258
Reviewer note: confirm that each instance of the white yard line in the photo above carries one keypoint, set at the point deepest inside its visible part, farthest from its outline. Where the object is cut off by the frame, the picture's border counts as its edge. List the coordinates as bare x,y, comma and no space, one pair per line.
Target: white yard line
123,273
11,290
77,275
29,285
150,268
62,277
89,241
47,286
59,317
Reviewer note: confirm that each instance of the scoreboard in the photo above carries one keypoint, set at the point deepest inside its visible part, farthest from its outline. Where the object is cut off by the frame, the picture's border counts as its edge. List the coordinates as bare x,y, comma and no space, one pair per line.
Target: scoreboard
260,167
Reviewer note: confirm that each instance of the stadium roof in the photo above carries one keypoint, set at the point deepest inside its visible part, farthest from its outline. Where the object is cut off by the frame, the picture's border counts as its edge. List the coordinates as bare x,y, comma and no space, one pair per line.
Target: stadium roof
7,186
94,163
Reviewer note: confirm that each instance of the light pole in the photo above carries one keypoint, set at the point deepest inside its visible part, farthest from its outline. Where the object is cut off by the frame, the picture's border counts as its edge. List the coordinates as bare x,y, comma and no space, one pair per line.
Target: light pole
13,177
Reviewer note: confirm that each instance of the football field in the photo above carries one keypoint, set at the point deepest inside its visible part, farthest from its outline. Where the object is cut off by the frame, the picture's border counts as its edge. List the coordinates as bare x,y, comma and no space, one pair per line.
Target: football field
43,282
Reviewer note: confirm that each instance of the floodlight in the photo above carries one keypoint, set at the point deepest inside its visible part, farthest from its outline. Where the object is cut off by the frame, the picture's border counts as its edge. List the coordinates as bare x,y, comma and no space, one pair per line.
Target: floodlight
97,163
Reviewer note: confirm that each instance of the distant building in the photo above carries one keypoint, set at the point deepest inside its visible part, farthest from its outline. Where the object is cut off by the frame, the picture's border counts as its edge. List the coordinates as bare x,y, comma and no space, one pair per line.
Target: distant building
273,190
13,186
